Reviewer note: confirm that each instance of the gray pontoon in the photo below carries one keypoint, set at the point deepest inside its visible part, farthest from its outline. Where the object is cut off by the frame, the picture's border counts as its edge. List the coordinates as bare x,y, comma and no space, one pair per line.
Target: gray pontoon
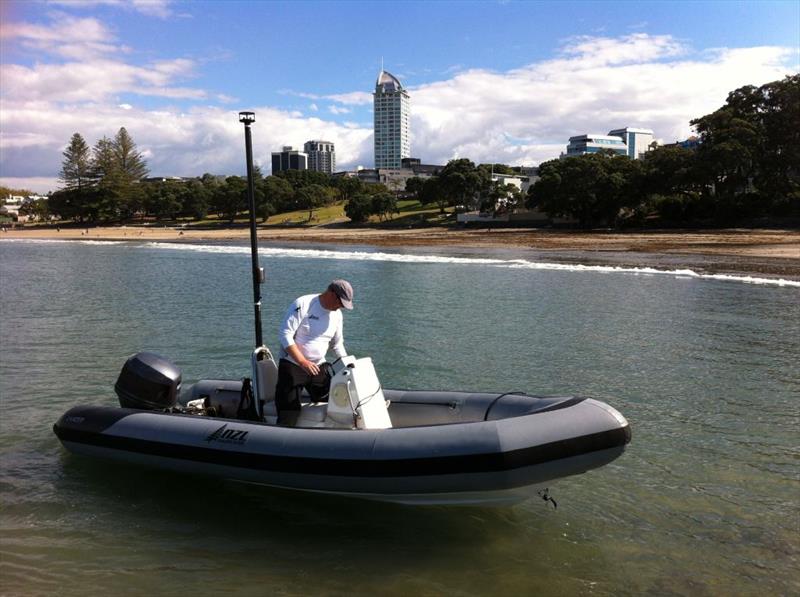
393,445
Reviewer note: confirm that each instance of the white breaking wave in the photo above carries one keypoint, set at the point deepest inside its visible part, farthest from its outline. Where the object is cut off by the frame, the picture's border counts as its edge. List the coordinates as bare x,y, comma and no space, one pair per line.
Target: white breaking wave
431,259
509,263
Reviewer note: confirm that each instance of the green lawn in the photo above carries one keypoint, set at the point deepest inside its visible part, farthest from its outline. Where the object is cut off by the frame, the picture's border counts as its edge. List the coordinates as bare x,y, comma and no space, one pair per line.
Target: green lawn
411,214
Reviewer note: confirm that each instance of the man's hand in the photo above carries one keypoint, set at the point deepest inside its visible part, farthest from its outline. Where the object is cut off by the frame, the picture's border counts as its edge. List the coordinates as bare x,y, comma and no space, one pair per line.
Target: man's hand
305,364
310,368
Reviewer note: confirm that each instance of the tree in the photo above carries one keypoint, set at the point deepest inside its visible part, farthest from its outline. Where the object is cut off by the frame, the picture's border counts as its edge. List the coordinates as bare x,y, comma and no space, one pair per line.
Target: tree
85,205
348,186
749,155
195,199
459,183
672,185
500,198
77,164
592,188
359,208
38,209
278,194
129,161
6,192
497,168
311,197
303,178
384,204
414,185
162,199
107,181
429,193
229,197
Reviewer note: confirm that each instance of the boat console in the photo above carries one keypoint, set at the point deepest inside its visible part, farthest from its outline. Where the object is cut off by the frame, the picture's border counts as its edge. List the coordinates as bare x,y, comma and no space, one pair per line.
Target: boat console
355,399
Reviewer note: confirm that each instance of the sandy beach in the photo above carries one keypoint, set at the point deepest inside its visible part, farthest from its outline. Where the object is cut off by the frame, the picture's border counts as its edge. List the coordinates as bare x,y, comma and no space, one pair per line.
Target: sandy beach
768,252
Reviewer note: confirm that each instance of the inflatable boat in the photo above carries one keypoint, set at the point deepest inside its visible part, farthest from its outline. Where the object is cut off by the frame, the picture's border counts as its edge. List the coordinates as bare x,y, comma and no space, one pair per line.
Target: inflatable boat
414,447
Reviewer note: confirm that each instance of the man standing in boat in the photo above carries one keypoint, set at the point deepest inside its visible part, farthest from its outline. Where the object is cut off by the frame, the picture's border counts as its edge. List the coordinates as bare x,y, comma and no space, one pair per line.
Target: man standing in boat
311,327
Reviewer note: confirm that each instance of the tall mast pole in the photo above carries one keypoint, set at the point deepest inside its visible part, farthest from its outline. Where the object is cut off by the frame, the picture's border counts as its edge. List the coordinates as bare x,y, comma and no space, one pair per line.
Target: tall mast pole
248,118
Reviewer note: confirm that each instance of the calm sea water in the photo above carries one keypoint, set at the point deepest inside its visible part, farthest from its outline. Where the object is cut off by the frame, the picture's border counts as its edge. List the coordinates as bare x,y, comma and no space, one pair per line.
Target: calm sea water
706,501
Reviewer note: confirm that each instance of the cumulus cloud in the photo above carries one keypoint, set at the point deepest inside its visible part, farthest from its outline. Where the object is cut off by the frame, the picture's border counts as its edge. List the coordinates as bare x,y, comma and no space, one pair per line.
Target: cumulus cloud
520,116
353,98
154,8
95,67
595,85
68,37
177,143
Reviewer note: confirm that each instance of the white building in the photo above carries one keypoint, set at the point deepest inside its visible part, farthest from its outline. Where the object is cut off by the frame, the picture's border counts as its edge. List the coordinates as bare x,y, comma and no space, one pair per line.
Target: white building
321,156
392,109
637,140
594,143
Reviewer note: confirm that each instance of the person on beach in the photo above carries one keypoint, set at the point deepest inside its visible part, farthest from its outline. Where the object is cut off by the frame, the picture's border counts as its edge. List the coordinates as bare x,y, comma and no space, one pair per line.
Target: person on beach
311,327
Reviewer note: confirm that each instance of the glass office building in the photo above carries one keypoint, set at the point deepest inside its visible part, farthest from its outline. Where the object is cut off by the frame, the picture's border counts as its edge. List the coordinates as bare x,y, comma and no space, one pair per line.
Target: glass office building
637,140
581,144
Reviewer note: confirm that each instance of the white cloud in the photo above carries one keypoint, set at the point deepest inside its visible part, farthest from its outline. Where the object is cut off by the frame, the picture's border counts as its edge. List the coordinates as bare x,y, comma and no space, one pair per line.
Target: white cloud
338,110
634,48
96,80
186,143
353,98
153,8
68,37
520,116
596,85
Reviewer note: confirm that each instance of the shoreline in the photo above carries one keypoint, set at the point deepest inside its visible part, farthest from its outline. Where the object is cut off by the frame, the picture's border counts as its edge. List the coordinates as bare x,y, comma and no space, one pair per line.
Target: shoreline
773,253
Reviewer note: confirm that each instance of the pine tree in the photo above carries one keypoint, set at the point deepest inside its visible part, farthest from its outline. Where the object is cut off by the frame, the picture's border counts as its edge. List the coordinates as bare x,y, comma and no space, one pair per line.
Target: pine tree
76,167
103,168
130,162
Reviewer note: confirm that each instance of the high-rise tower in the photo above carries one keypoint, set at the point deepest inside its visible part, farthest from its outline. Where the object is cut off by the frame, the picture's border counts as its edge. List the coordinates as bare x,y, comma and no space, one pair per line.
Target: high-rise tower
321,156
392,108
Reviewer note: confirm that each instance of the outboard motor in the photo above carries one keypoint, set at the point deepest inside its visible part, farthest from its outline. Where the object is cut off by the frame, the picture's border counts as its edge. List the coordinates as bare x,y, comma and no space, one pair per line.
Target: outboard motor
148,382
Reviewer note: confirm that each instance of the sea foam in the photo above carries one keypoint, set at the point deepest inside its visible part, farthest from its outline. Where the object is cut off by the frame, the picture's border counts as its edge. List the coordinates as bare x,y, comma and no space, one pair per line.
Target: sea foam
508,263
414,258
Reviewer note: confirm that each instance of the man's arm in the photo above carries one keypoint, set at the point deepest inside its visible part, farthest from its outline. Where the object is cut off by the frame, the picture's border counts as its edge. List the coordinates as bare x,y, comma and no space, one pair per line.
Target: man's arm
337,342
294,317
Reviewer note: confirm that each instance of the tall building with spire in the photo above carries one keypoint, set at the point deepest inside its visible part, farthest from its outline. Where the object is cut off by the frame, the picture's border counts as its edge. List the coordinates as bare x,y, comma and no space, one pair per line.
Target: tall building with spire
392,109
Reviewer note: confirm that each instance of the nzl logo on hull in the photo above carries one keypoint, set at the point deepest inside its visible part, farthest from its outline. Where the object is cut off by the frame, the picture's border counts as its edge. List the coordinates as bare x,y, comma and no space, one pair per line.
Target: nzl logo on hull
224,435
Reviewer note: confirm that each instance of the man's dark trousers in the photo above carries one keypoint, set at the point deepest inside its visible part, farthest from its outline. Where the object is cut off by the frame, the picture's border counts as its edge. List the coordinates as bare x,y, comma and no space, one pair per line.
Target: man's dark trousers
292,379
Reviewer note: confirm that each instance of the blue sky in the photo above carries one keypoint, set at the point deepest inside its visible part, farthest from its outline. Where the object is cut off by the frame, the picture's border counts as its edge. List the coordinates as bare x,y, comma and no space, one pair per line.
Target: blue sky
499,81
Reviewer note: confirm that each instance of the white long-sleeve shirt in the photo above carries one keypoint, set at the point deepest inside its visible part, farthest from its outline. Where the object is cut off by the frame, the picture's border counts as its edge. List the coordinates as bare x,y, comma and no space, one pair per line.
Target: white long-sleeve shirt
313,329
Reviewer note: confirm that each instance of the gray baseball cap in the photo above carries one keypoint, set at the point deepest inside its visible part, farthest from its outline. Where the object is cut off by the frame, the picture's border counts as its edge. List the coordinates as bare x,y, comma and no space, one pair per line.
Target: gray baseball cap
344,291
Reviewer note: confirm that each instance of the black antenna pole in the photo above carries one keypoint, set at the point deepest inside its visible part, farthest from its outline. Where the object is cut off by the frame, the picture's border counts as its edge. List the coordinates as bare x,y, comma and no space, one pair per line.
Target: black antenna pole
248,118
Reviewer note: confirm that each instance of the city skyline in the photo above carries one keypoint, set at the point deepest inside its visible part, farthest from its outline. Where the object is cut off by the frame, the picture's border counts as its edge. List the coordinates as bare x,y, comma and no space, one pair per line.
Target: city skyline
175,76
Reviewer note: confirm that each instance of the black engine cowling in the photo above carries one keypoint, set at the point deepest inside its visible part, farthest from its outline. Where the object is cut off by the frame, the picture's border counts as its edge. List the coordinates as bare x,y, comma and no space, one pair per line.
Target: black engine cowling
148,382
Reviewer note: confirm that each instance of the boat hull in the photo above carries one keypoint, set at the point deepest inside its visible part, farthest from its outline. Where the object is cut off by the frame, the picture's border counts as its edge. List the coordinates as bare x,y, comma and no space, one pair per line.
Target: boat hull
489,461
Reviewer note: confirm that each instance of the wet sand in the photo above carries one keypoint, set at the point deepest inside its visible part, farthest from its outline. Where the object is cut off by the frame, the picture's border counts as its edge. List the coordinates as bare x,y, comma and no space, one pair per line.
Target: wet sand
767,252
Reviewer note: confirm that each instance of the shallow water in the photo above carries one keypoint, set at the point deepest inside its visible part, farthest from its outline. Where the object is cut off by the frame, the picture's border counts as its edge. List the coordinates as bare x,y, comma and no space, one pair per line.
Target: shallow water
705,501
